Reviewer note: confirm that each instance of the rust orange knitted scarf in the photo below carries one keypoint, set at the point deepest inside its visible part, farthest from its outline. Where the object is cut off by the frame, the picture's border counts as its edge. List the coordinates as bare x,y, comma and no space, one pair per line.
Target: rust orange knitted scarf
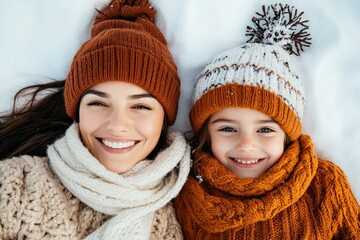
222,206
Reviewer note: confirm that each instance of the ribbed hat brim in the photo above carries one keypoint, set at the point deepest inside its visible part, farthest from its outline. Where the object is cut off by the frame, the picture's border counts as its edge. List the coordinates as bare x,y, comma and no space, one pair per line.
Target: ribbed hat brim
245,96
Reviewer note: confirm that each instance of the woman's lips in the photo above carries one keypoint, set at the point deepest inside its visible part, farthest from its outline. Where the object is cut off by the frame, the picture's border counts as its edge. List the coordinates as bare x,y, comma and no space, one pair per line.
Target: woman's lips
113,146
118,145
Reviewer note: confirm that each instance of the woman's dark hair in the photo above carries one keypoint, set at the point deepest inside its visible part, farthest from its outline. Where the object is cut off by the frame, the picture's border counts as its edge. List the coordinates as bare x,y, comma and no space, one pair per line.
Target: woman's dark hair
28,129
162,143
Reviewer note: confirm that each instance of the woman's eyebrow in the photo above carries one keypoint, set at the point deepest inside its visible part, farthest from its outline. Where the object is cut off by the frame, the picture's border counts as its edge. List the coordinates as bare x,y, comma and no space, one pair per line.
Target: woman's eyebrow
105,95
137,96
97,93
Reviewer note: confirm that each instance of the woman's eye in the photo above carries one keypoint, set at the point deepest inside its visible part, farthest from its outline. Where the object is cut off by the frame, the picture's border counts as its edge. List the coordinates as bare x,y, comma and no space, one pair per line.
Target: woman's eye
265,130
96,103
227,129
140,106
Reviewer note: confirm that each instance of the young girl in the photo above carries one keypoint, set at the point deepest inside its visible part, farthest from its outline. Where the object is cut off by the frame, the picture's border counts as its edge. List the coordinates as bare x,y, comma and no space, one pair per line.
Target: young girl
255,174
114,172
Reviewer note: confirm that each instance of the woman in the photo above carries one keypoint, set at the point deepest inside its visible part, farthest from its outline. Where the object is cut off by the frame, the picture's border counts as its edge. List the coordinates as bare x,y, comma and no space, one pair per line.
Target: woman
115,171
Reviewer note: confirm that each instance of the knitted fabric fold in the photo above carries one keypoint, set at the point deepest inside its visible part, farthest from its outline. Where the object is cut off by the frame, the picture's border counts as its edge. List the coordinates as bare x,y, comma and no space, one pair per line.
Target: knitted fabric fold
131,198
235,202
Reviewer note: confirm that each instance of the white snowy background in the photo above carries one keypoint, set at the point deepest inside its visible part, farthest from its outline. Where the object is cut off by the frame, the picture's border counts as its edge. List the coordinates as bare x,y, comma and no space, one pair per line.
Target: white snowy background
38,39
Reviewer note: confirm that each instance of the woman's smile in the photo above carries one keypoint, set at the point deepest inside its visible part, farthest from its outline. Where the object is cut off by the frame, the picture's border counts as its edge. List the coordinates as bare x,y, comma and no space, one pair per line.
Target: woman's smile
120,123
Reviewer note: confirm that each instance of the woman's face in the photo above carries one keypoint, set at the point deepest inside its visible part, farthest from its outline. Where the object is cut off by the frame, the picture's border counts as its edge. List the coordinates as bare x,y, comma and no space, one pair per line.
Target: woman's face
120,123
245,141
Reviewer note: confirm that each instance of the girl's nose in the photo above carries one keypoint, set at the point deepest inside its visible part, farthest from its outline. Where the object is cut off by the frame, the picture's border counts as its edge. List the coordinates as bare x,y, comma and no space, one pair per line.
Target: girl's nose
246,142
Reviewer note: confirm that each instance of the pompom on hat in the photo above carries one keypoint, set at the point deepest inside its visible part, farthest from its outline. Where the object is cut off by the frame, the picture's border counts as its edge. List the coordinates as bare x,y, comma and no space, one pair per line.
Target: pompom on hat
258,75
125,45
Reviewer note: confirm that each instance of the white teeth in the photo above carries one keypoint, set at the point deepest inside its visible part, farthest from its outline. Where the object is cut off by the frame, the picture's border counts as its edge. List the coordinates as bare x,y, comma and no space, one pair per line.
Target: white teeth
118,145
246,162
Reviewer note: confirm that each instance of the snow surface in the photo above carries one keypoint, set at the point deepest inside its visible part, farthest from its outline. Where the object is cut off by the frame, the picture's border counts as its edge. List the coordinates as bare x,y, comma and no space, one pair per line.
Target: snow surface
39,38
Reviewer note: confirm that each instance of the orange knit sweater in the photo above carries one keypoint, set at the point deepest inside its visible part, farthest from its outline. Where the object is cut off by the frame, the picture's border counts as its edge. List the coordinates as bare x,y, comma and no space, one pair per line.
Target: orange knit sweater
300,197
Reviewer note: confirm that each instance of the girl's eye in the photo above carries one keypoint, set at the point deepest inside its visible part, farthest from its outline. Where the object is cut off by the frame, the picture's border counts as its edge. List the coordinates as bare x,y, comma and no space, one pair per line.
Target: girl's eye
265,130
227,129
140,106
96,103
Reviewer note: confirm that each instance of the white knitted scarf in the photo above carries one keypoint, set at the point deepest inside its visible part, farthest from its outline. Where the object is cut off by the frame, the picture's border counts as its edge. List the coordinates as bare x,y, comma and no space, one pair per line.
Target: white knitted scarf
131,198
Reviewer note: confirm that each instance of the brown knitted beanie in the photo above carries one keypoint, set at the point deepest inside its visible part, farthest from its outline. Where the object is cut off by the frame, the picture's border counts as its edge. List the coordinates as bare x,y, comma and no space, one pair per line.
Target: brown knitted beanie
125,45
259,75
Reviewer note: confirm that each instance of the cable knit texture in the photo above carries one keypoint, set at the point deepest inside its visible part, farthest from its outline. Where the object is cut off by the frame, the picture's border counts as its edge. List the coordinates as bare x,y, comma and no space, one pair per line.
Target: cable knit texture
75,197
300,197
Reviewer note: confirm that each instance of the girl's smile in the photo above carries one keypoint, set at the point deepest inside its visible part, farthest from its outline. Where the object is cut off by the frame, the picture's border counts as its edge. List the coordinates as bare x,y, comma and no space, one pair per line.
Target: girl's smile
246,141
246,162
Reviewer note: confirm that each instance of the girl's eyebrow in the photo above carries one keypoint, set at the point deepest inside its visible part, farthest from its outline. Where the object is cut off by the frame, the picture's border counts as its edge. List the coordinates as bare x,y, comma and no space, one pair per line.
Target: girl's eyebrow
232,121
105,95
267,121
222,120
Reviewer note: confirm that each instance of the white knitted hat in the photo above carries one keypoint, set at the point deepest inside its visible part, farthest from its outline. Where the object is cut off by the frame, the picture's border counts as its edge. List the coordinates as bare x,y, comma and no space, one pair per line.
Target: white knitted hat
258,75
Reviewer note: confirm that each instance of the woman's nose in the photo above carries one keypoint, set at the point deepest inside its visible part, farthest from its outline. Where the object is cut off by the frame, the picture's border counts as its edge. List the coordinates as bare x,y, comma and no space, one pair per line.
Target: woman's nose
119,121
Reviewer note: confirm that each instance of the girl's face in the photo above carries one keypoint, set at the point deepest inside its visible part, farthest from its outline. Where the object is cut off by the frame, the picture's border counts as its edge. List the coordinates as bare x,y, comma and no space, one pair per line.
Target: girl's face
120,123
246,141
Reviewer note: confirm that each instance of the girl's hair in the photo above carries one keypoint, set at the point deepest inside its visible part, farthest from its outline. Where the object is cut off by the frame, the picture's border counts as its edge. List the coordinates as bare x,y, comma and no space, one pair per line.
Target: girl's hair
201,141
29,129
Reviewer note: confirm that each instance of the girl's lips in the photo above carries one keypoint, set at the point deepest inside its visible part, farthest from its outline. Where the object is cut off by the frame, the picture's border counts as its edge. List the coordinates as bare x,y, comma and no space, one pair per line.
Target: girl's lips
246,162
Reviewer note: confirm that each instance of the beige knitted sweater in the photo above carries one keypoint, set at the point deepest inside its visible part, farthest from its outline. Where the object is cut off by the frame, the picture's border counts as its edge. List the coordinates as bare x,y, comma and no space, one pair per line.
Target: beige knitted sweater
35,205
